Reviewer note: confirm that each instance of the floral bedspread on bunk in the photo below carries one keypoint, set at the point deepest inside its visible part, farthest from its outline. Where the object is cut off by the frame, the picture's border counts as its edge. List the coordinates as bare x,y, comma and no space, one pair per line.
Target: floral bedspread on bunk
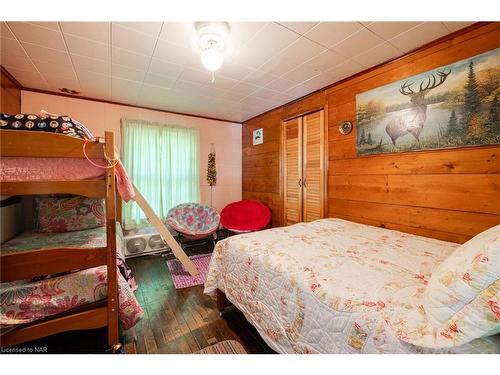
333,286
26,301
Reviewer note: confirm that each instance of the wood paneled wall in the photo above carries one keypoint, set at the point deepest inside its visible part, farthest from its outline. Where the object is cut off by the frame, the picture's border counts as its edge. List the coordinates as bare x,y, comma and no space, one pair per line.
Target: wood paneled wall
261,169
448,194
10,94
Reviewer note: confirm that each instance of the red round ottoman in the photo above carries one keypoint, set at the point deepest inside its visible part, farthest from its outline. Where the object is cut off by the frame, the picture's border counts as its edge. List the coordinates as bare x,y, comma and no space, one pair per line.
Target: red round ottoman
245,216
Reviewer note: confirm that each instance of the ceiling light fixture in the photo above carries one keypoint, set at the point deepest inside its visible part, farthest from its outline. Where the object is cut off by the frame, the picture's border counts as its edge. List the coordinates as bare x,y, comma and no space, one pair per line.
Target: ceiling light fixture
211,39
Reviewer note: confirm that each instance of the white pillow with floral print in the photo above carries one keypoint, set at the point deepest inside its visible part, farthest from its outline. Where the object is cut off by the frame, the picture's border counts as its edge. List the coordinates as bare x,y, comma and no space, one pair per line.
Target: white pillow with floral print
462,298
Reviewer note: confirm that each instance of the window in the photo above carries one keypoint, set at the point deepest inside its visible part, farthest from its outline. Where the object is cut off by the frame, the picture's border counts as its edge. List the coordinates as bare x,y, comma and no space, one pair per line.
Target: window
163,161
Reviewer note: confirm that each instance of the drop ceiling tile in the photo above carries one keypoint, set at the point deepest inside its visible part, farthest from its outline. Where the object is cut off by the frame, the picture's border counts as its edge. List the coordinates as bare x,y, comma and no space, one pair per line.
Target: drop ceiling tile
33,82
195,89
130,59
90,64
280,84
11,47
159,80
22,75
94,82
267,42
96,31
148,28
331,33
379,54
231,70
301,73
5,31
125,72
259,78
154,94
51,68
205,77
291,57
56,82
243,89
388,30
178,33
357,43
325,60
125,90
298,90
344,70
299,27
18,62
91,92
131,40
47,54
48,25
455,26
173,53
165,68
242,32
87,47
319,81
42,36
264,93
419,35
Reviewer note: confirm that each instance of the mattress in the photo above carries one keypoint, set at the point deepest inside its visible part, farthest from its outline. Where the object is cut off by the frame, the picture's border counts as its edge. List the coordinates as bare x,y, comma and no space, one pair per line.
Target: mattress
27,301
49,169
19,169
332,286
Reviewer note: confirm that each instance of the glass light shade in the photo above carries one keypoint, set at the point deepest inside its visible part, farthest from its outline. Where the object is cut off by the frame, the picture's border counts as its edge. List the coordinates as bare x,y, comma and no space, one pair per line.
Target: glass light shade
211,59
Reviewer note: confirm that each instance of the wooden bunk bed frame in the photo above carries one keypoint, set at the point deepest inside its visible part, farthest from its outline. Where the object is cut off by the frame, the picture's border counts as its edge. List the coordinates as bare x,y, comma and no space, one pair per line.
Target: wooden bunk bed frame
48,261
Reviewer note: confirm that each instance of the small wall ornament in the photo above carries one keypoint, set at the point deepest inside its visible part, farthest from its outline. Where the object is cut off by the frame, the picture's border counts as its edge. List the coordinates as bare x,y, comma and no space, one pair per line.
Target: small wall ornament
258,136
211,170
345,127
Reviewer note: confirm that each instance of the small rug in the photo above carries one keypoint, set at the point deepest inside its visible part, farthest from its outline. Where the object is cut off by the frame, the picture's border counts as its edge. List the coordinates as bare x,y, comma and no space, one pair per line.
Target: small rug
224,347
182,278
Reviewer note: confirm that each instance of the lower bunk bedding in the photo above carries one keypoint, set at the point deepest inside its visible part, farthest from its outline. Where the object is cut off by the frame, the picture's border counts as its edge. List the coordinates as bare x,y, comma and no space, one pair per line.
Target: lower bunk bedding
333,286
26,301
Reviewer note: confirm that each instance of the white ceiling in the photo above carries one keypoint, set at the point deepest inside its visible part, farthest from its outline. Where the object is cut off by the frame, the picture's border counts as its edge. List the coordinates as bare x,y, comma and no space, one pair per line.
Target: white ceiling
157,64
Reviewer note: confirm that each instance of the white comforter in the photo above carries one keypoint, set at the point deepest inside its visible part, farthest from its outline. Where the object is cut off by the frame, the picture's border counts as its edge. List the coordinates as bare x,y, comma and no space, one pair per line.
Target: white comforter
333,286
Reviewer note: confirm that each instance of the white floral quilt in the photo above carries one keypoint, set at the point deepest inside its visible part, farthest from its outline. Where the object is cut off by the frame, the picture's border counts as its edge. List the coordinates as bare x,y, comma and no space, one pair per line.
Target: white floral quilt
333,286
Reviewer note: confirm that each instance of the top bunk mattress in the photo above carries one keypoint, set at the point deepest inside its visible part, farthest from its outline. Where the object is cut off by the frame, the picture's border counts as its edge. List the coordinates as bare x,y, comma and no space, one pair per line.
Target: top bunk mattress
333,286
17,169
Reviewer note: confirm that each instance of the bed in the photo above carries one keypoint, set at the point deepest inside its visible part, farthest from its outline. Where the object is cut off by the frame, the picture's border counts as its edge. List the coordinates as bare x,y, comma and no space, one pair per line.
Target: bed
334,286
31,300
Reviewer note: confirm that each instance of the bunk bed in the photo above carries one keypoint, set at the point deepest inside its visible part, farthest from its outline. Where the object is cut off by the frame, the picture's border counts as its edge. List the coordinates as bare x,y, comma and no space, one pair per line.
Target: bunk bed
60,259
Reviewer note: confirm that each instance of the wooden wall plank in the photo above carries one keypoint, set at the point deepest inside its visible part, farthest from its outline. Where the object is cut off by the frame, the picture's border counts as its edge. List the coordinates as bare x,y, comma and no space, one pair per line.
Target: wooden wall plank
467,192
10,94
453,161
465,223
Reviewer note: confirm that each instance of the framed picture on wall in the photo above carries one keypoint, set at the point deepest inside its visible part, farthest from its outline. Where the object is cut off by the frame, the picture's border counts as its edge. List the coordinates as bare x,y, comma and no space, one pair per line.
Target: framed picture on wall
452,106
258,136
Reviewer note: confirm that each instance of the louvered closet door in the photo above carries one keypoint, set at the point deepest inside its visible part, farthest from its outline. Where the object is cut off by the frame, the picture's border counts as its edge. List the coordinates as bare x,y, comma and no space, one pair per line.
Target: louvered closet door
293,171
313,166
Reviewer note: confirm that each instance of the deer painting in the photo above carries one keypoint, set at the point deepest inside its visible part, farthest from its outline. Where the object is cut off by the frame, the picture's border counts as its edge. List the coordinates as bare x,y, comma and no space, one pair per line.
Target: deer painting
413,121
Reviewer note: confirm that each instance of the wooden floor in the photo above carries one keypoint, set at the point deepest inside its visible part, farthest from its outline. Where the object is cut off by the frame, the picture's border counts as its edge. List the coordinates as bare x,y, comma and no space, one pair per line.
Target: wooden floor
175,321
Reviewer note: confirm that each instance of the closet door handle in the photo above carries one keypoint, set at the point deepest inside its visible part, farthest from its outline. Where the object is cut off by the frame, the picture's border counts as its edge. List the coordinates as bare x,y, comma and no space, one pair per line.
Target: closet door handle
300,182
304,183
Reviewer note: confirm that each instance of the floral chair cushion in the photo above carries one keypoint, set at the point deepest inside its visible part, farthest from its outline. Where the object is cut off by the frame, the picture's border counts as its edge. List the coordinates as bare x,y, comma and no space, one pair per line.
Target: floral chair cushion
462,298
67,214
193,219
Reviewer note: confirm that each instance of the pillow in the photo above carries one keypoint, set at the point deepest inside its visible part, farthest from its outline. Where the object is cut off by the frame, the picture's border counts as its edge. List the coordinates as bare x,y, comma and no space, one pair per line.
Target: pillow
462,298
53,214
54,124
